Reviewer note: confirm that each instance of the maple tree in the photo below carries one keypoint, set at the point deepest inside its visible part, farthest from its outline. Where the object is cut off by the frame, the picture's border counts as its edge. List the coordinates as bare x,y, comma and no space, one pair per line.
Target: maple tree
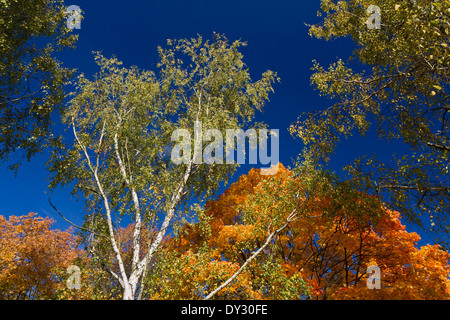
323,254
34,258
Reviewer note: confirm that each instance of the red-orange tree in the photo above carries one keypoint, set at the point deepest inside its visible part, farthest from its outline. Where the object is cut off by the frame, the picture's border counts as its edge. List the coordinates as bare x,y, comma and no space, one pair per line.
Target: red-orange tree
338,233
34,258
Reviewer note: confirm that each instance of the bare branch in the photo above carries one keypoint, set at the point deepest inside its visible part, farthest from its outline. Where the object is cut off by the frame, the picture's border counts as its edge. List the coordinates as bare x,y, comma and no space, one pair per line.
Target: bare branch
436,189
24,97
70,222
112,239
292,216
176,197
438,146
138,222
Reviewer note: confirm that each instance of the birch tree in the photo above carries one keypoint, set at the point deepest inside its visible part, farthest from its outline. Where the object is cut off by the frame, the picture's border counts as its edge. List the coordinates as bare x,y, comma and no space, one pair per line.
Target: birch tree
120,161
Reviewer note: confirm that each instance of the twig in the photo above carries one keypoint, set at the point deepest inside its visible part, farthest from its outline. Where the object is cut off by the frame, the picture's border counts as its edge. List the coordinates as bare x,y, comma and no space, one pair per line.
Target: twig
70,222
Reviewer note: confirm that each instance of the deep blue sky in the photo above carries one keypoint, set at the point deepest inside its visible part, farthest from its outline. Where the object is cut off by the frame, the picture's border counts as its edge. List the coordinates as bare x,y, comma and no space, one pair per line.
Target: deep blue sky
277,40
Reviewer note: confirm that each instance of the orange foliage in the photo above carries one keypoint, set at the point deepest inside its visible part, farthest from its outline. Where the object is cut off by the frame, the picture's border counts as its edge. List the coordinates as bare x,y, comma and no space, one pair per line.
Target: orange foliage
33,258
328,246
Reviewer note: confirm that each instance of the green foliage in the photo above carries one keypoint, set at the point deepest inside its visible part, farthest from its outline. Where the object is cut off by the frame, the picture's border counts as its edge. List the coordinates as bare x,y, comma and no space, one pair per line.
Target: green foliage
402,87
31,79
275,284
143,111
123,119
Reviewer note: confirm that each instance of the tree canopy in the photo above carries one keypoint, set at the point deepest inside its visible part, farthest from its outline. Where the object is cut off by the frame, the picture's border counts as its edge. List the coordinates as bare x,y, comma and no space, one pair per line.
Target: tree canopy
122,123
402,87
155,228
323,254
34,258
31,78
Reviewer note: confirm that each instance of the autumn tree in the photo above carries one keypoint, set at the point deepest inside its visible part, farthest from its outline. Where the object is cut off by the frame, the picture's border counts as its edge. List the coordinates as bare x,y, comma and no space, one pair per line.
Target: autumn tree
122,123
31,78
34,258
322,254
98,260
401,84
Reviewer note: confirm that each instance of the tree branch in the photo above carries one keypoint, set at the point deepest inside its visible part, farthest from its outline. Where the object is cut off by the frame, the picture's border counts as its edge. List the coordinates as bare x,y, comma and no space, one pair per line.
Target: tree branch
124,282
438,146
135,197
292,216
70,222
436,189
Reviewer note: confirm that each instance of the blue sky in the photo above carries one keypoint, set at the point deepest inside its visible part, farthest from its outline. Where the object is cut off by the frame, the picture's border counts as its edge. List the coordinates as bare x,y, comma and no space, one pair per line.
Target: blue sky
277,39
